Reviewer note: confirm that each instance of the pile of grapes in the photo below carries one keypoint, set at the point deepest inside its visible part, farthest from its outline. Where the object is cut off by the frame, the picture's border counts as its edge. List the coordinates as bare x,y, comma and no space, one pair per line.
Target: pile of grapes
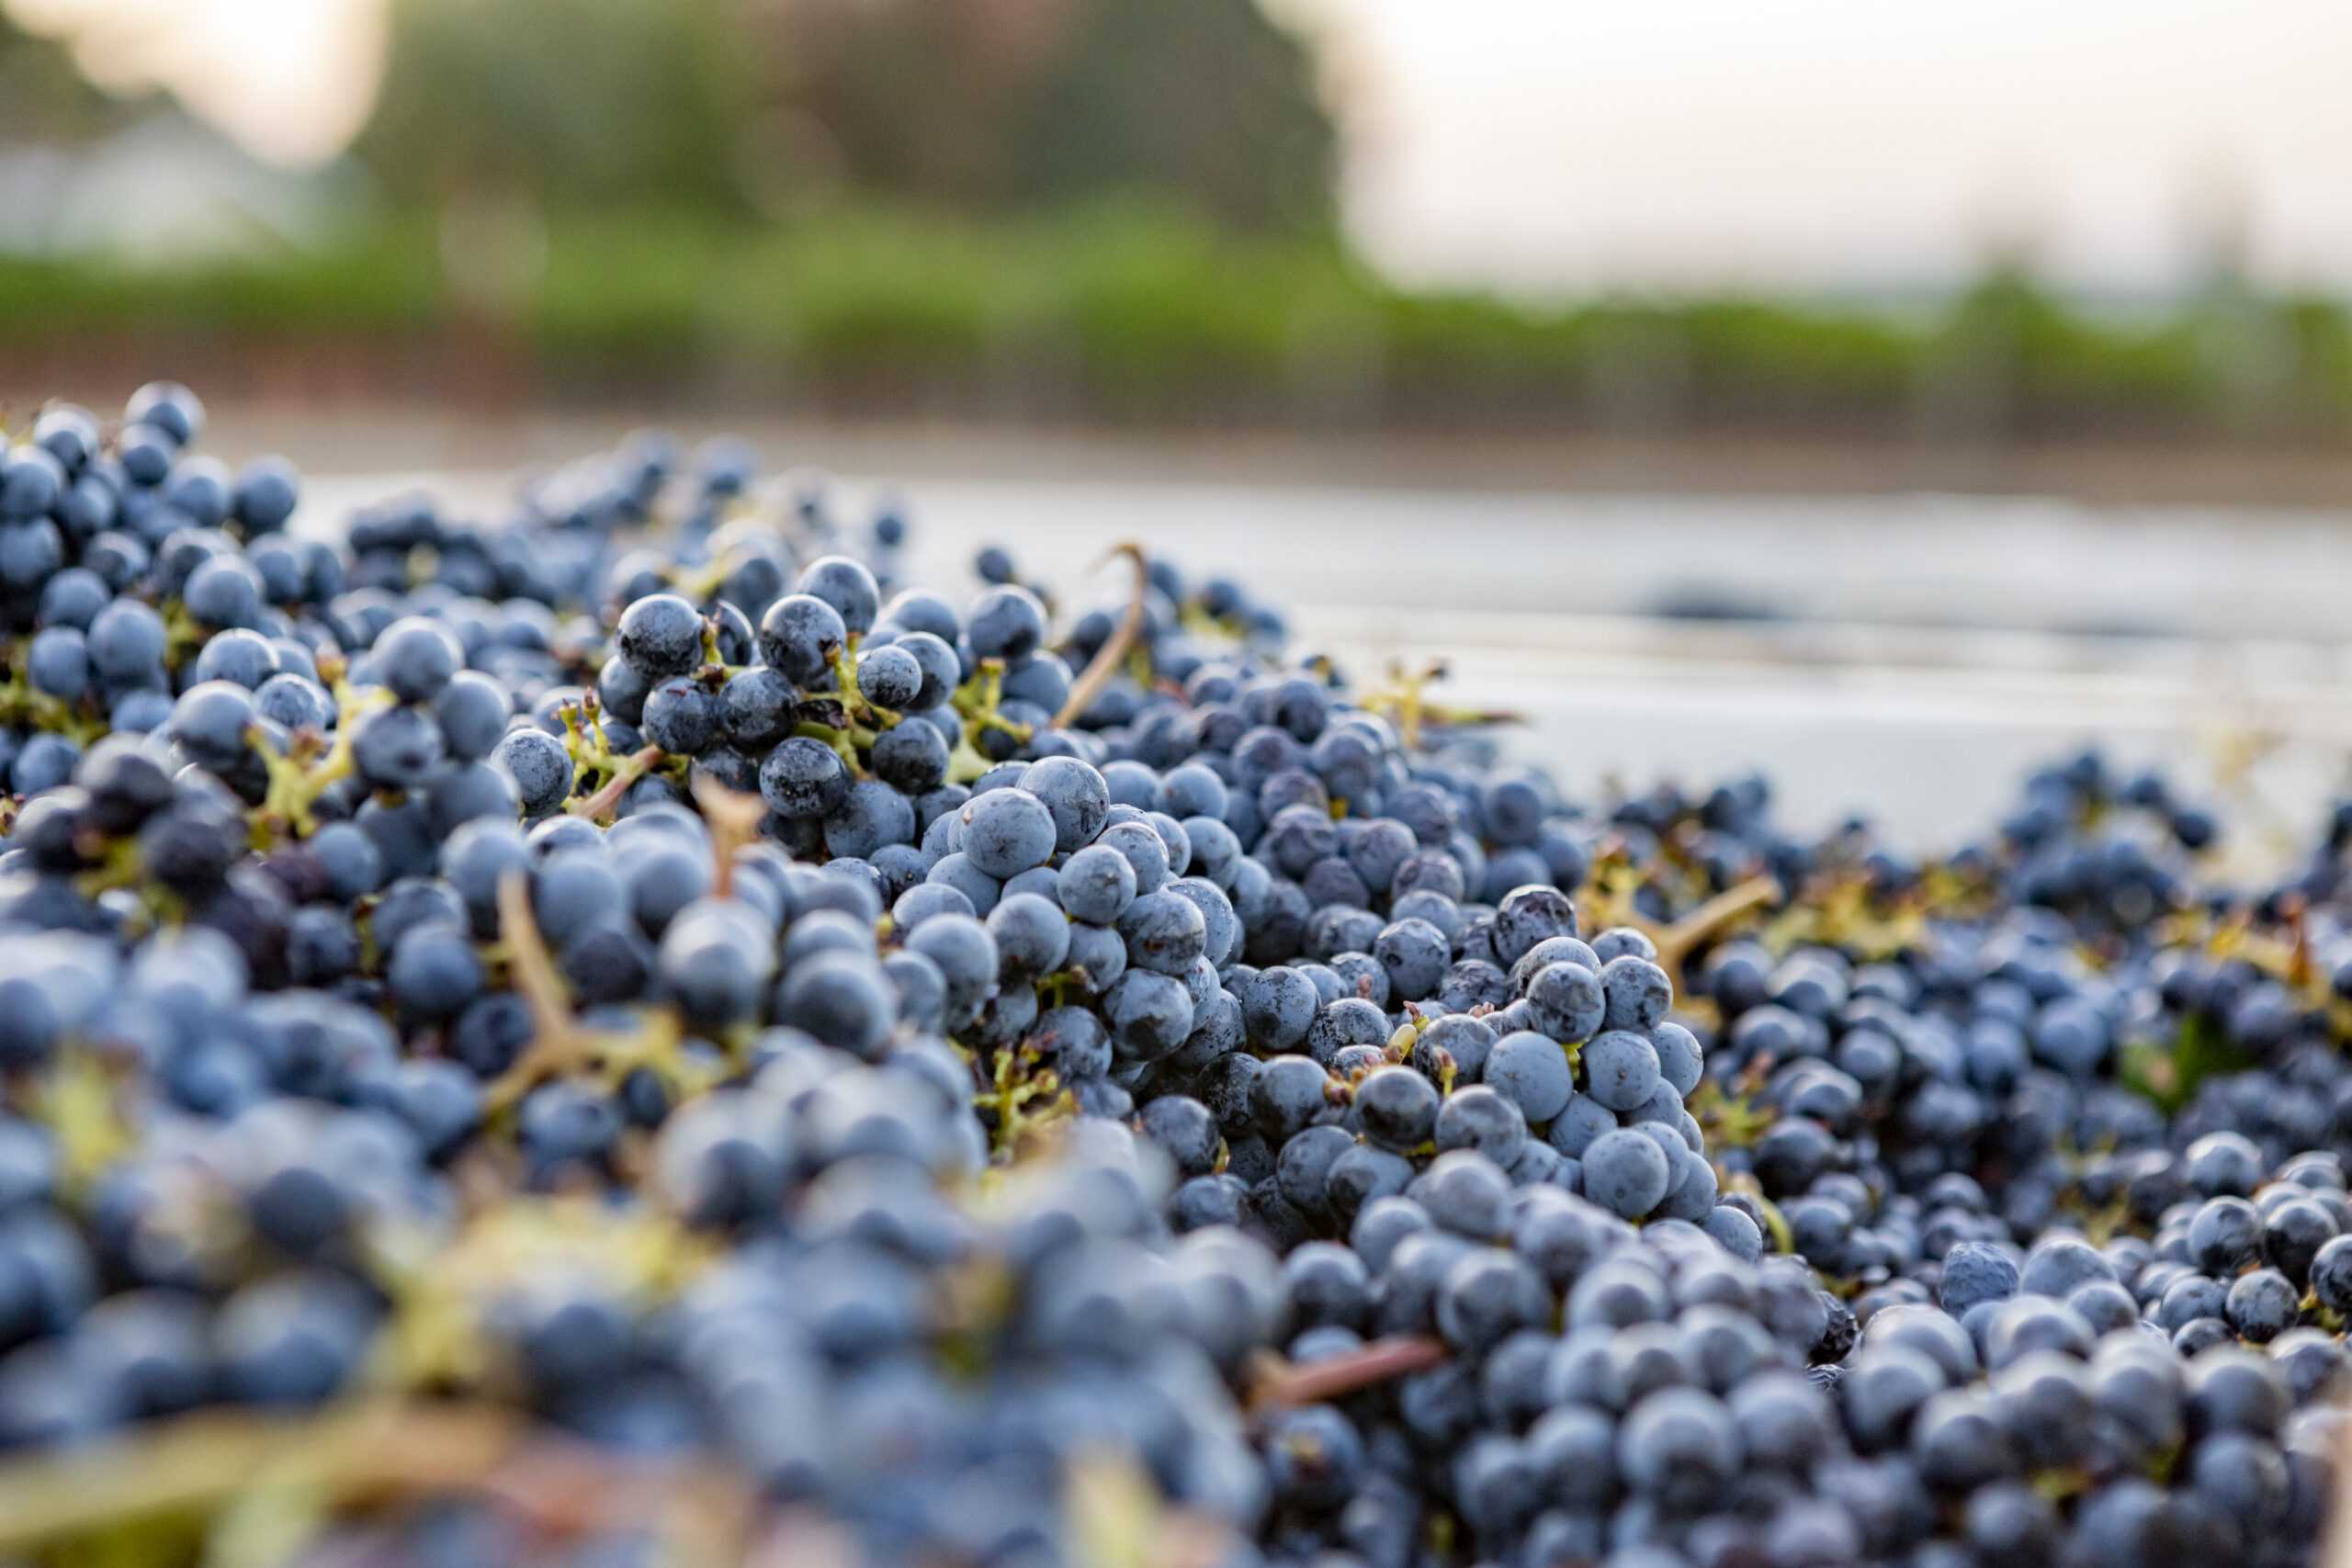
631,1035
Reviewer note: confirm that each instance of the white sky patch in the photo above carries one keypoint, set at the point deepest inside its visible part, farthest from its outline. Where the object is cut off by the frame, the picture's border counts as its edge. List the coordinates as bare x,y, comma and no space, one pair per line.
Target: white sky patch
291,80
1844,144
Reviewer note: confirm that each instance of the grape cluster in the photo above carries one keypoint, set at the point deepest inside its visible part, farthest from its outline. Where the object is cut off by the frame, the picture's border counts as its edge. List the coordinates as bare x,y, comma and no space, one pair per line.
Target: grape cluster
629,1033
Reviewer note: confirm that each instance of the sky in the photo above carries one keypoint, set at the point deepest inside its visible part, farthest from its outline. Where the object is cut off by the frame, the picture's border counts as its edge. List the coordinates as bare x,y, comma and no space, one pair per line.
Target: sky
1846,144
1540,146
291,79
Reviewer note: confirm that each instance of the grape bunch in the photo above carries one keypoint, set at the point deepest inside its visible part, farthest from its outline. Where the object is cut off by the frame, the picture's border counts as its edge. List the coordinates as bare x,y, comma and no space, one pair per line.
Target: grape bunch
625,1033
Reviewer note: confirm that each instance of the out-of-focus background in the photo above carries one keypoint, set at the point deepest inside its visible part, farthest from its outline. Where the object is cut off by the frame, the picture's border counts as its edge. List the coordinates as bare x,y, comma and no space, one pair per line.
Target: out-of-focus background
1888,395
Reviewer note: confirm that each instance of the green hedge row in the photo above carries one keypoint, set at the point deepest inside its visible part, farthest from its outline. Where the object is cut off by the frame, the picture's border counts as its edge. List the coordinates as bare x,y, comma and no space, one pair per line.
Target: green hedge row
1121,314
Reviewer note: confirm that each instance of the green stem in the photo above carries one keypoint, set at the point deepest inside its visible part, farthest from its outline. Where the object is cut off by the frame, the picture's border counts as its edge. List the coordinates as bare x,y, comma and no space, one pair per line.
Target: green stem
296,780
845,741
630,769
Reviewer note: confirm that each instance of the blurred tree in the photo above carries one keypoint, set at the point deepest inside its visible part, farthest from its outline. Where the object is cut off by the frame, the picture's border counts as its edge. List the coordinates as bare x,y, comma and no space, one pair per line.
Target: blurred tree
43,97
575,102
995,102
1207,98
981,104
913,97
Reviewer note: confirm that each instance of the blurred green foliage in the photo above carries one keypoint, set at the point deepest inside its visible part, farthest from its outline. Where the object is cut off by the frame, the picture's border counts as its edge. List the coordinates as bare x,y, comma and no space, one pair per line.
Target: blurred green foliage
1130,312
42,95
1205,98
573,101
758,106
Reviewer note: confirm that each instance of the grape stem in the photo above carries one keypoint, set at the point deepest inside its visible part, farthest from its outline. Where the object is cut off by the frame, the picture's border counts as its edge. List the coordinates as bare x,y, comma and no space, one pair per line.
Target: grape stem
1105,662
704,585
535,977
1678,941
22,703
854,701
301,775
558,1041
633,767
204,1462
1317,1381
1406,699
978,699
734,817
